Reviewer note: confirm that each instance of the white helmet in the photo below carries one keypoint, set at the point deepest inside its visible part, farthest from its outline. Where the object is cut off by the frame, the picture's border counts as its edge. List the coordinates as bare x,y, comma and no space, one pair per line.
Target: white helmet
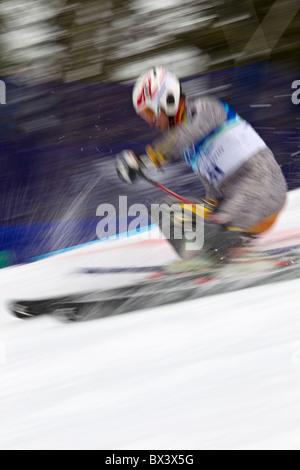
157,89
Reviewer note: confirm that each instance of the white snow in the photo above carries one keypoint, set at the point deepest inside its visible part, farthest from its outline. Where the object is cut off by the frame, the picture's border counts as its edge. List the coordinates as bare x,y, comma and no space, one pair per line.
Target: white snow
222,372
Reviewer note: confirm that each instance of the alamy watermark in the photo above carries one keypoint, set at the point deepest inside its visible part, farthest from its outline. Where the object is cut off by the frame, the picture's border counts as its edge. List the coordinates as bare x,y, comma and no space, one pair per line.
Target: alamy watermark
177,221
296,94
2,92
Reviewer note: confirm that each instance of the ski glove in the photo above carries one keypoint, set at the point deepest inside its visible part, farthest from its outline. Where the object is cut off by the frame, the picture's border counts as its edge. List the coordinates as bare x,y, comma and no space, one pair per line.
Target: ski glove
129,166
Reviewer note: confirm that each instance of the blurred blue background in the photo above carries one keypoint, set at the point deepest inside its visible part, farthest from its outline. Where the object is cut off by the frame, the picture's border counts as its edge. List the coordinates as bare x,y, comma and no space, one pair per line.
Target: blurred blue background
69,71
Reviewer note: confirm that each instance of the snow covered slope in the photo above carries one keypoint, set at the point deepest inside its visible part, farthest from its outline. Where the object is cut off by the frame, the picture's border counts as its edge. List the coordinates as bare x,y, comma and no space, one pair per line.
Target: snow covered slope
220,372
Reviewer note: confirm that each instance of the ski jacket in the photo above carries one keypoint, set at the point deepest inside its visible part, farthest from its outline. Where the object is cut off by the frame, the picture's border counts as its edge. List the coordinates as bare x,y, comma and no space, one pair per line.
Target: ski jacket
235,165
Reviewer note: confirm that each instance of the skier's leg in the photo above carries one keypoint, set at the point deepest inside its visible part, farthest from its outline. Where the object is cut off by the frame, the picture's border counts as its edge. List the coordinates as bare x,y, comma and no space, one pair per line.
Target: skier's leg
189,231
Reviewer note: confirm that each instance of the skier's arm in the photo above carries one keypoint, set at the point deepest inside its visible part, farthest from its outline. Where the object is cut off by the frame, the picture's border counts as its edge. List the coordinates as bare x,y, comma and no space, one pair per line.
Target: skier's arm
205,115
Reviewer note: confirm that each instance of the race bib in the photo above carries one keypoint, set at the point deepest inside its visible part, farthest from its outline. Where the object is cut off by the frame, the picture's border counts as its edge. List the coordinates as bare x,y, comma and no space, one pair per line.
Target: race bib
219,155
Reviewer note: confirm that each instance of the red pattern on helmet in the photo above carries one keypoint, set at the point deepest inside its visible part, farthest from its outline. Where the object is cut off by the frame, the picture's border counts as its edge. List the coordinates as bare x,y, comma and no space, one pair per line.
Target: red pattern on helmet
147,92
141,99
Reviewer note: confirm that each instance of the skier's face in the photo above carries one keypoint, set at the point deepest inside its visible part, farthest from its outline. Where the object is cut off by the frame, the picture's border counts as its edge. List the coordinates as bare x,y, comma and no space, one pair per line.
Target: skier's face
161,123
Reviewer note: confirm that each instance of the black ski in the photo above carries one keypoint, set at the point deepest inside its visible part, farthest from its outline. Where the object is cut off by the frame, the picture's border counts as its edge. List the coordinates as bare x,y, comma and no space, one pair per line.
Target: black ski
161,268
151,293
114,296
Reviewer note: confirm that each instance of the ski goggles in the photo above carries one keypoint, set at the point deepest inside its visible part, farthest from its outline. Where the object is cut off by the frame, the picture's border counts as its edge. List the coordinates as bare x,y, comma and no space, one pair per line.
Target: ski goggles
149,114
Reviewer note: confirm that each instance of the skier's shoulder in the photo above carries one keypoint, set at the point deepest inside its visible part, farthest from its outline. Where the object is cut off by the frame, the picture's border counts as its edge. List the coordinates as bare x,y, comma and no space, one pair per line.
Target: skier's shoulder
198,107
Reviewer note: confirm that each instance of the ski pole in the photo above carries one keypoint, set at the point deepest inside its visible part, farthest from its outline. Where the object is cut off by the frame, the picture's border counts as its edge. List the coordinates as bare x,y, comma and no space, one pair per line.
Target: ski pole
163,188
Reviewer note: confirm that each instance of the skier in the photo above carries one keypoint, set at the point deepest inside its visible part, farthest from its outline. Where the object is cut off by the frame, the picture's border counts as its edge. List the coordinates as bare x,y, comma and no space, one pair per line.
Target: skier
245,187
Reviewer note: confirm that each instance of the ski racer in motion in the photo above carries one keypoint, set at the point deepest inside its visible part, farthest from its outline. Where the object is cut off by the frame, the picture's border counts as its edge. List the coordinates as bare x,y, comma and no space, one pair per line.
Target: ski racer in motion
245,192
245,187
